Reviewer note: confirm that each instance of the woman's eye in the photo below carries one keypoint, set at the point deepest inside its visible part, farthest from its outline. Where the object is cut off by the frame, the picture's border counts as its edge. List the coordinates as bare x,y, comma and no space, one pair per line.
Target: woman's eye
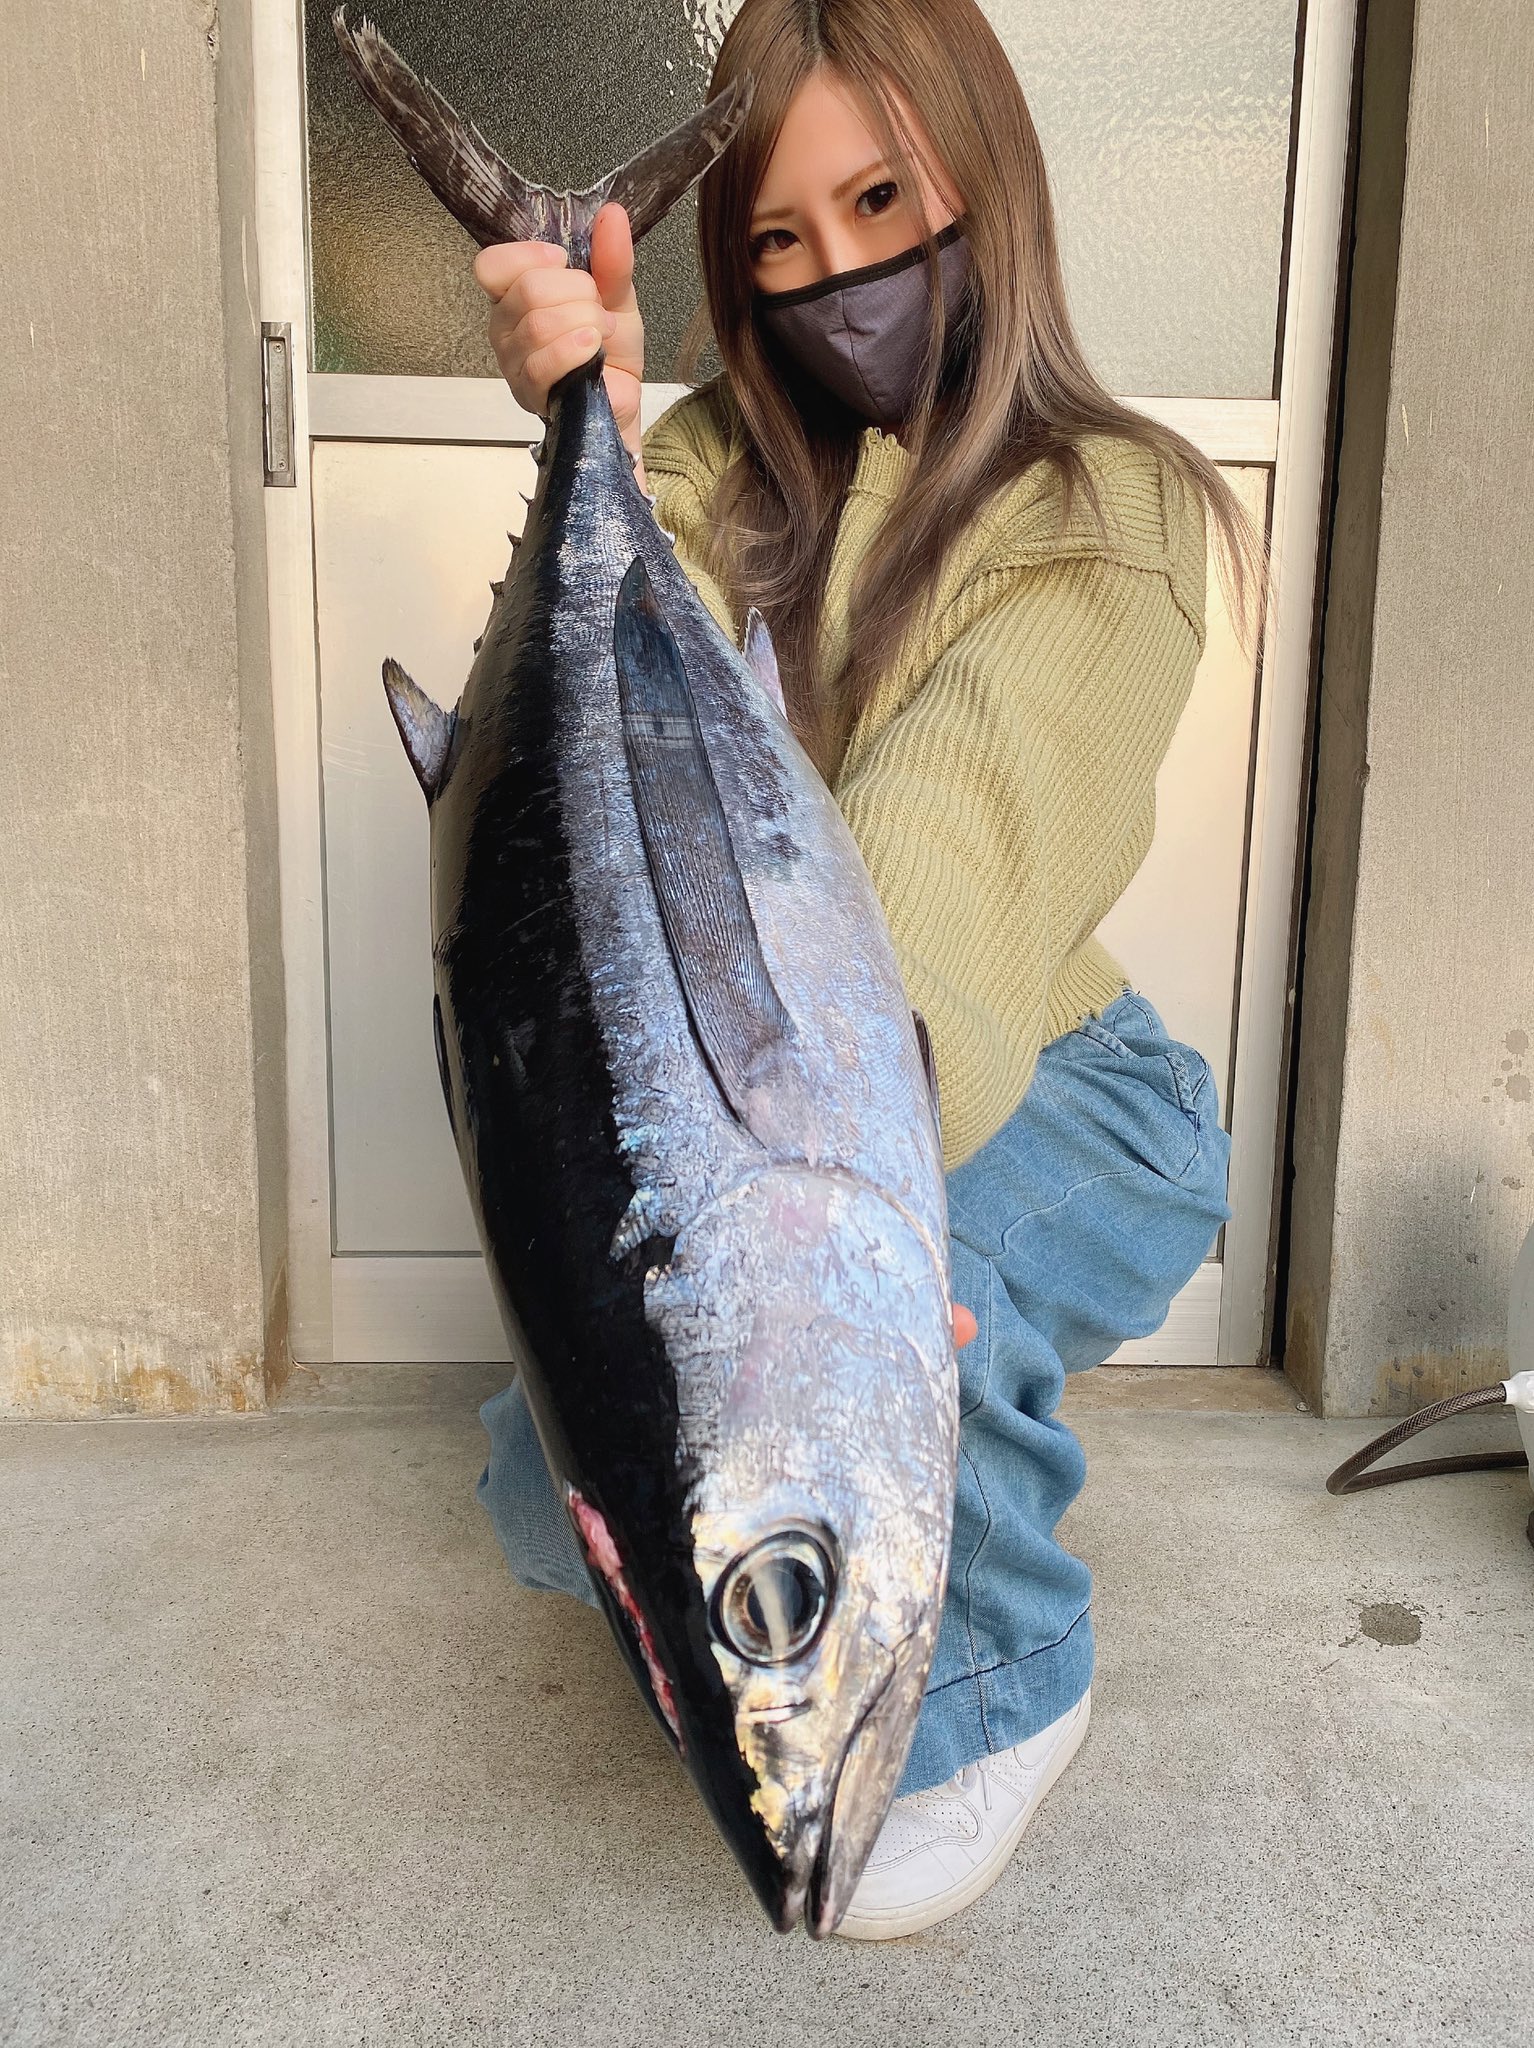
763,244
879,196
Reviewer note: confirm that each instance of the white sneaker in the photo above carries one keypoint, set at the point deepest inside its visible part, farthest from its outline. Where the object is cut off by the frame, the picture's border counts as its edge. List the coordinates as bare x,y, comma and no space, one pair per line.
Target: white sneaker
939,1850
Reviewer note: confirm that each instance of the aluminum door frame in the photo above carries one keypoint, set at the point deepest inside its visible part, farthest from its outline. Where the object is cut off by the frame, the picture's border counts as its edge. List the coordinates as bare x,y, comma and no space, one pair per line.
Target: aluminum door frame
1290,433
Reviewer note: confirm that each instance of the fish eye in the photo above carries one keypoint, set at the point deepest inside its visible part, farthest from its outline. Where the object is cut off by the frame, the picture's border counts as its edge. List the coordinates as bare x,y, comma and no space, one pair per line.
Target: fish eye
771,1602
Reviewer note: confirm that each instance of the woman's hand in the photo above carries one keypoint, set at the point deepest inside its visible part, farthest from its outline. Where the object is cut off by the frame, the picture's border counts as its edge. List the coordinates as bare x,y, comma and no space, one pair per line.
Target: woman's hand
965,1328
548,319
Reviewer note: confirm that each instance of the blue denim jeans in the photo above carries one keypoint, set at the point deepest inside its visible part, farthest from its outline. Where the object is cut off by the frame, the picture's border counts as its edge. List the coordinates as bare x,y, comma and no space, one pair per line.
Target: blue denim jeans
1073,1228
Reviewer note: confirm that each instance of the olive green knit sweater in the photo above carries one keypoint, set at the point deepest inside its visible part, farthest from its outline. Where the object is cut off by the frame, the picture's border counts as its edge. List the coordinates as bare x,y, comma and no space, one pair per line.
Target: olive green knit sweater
1001,784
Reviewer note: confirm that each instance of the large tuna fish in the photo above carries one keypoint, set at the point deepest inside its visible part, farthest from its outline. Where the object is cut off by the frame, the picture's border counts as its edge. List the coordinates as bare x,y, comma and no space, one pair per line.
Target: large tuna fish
693,1113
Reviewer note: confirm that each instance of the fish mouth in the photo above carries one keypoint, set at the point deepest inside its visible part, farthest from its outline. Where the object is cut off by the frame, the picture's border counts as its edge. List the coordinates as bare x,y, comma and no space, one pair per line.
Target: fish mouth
860,1800
815,1884
808,1879
768,1717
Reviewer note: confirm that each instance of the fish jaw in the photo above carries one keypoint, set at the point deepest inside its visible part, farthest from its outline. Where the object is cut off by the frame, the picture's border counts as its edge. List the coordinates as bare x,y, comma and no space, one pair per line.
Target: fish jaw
871,1768
808,1323
824,1746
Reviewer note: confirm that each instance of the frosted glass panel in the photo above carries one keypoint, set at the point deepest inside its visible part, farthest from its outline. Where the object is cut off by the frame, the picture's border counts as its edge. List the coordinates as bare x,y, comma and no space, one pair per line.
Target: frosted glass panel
564,91
1165,126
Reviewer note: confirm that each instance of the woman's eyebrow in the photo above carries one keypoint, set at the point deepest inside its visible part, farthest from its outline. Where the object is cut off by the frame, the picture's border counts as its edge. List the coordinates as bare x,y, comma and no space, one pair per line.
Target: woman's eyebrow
759,220
858,176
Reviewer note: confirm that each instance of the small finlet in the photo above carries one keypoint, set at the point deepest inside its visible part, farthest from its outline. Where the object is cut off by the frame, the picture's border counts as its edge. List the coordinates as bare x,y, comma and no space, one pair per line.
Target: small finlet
638,1221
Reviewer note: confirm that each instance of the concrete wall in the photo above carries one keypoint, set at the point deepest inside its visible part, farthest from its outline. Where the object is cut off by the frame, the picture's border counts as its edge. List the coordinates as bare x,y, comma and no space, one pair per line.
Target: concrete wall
1414,1151
141,1173
142,1219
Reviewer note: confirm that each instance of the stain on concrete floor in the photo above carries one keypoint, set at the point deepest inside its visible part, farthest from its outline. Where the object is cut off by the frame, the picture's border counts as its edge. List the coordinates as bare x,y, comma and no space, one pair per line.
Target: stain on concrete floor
1390,1623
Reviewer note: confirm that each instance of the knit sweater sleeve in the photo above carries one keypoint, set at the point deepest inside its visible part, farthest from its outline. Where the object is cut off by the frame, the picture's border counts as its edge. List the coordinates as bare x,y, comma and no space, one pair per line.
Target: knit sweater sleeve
997,812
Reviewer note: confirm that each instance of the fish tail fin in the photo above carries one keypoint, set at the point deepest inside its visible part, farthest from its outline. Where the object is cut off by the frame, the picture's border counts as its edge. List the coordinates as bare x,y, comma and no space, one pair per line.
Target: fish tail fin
497,204
651,183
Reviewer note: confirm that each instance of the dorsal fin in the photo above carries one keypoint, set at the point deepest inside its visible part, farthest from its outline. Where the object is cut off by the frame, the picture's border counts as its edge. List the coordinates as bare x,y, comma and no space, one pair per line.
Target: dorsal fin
929,1063
424,726
497,204
737,1015
762,658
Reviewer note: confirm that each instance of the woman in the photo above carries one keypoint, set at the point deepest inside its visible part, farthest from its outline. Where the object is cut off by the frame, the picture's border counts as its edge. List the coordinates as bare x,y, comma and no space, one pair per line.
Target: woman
985,581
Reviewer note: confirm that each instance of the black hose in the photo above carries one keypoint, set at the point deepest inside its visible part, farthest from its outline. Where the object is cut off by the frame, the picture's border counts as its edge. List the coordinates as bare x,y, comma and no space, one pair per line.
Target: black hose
1353,1475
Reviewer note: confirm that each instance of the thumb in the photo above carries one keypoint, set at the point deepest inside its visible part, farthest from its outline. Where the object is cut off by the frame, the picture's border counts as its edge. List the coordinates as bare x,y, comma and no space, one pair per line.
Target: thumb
612,257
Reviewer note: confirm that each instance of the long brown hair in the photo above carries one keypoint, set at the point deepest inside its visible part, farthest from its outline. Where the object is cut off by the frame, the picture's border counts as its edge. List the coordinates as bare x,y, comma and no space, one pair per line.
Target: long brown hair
1009,388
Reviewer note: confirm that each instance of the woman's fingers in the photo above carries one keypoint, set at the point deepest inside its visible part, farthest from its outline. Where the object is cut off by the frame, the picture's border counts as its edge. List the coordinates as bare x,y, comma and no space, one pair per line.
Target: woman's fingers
548,285
612,256
545,366
612,266
549,341
497,268
548,317
965,1328
542,324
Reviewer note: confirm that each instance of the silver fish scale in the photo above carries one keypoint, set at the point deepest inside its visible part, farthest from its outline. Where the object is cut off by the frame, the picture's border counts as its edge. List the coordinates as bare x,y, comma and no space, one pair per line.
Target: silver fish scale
804,1307
818,920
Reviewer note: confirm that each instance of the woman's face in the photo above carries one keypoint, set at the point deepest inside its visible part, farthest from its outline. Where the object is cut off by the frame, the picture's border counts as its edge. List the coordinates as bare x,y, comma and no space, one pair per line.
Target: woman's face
828,202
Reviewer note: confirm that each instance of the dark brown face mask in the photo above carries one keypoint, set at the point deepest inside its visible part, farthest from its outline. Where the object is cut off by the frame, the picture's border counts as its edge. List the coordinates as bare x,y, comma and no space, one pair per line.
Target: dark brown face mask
861,333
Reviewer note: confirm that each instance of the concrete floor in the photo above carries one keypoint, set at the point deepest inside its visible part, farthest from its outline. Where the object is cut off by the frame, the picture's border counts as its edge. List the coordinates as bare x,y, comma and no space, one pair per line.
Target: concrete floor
286,1757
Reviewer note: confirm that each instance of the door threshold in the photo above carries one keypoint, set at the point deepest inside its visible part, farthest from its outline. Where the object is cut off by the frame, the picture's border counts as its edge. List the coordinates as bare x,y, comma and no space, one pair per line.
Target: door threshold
449,1386
1181,1389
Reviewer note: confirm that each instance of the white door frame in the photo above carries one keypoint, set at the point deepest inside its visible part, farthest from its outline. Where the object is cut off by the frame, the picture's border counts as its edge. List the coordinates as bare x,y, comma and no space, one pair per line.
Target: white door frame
1265,996
1220,1317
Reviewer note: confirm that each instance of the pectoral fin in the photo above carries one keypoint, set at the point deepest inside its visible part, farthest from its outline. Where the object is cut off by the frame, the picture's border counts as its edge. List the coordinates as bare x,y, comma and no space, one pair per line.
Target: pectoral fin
424,726
737,1015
